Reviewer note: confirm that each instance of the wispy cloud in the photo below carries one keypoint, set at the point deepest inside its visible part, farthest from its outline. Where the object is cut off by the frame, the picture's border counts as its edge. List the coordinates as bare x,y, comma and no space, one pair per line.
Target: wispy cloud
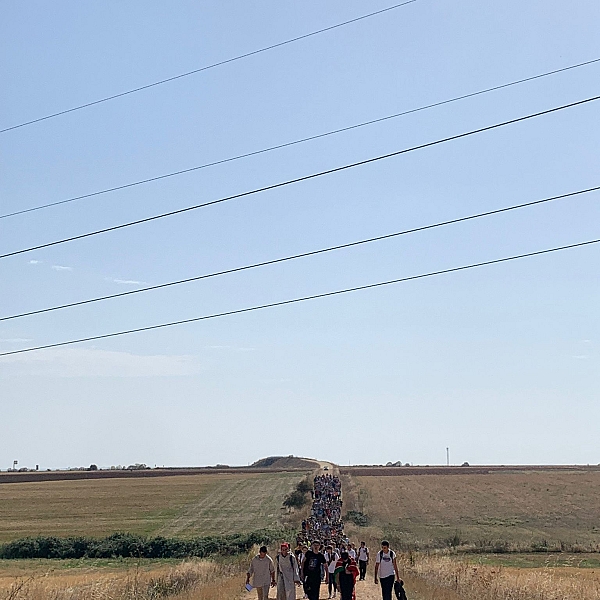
581,356
91,362
127,281
61,268
15,340
35,262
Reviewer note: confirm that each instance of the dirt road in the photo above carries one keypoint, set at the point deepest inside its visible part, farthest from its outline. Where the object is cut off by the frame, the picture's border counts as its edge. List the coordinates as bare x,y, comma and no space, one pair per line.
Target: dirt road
367,590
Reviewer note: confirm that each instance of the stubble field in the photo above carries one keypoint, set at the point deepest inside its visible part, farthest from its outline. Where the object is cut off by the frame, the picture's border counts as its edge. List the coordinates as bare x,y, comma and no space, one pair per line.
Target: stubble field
181,506
511,510
425,510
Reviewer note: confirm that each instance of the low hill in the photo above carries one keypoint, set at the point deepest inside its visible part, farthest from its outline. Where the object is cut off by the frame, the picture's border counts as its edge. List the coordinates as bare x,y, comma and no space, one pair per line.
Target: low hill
285,462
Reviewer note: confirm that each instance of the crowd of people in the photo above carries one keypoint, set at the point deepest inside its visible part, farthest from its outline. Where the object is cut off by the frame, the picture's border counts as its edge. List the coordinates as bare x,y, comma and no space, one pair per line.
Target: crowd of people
324,554
325,520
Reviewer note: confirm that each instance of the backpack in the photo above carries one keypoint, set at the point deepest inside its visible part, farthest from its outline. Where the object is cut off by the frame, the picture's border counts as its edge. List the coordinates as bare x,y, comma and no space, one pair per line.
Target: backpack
291,561
399,590
392,555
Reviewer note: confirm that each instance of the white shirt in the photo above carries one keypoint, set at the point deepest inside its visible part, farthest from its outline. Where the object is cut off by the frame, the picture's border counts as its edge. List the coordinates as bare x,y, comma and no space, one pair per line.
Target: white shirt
386,564
331,566
352,553
362,553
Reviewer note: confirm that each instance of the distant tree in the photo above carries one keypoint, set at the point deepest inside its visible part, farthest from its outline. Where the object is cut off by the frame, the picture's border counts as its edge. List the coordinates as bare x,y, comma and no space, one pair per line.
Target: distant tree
93,468
295,500
304,486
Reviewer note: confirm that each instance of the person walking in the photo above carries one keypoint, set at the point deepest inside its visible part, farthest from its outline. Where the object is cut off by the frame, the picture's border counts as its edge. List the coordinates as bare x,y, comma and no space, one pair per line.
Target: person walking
288,575
352,551
331,556
303,551
346,573
363,560
262,572
386,570
311,571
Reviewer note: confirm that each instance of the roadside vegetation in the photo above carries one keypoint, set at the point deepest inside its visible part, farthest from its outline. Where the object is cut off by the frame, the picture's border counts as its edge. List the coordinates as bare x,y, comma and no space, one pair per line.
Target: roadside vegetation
126,545
187,580
447,578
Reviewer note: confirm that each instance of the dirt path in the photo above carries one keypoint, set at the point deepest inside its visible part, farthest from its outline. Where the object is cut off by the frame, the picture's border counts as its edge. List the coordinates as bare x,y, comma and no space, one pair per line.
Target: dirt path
365,590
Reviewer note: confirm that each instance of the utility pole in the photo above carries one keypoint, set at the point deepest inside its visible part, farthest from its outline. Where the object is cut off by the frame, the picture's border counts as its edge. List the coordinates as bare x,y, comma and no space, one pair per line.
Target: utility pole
447,457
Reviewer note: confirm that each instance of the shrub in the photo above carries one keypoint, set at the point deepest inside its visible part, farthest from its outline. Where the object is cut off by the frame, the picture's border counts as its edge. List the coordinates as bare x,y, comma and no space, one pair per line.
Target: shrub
296,500
127,545
358,518
304,486
299,497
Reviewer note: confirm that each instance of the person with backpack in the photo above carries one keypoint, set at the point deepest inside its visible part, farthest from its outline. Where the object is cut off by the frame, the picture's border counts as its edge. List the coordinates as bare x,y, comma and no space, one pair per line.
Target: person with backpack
311,571
386,570
346,573
288,575
363,560
331,556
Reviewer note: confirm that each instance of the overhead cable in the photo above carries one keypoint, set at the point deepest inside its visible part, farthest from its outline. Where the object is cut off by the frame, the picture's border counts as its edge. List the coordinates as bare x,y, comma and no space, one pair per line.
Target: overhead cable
300,255
207,67
294,142
297,180
301,299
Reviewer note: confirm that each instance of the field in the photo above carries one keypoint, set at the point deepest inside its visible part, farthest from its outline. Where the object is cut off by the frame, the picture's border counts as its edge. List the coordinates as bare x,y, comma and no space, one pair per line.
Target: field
455,516
447,578
122,580
186,505
528,509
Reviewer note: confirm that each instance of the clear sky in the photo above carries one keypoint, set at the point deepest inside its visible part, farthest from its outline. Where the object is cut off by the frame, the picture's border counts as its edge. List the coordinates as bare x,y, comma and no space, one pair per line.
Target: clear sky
501,364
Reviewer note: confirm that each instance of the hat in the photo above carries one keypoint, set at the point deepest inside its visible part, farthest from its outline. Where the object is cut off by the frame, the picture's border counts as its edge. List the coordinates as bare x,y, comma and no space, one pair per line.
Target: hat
285,545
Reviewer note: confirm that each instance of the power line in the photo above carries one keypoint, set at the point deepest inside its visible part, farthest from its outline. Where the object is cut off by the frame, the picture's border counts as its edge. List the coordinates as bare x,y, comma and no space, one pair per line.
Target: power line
301,299
206,68
295,142
297,180
301,255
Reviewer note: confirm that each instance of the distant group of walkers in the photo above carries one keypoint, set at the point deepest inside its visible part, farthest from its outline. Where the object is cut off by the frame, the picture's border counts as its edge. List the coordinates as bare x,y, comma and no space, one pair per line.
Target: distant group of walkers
337,562
325,520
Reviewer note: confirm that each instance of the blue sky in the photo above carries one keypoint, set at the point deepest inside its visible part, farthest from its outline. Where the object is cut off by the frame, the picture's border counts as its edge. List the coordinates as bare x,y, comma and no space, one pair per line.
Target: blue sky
501,364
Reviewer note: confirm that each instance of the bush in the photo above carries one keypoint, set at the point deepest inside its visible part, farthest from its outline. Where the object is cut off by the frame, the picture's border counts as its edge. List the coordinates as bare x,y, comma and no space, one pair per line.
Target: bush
299,497
127,545
455,540
296,500
304,486
358,518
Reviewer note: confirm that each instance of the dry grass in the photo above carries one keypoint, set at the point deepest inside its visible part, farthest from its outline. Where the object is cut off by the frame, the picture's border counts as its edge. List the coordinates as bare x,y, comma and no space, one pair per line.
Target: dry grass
520,508
445,578
183,505
190,580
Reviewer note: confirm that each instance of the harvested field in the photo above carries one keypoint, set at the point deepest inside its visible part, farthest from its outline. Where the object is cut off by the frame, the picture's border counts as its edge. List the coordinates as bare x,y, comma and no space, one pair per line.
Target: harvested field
526,509
122,580
187,505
